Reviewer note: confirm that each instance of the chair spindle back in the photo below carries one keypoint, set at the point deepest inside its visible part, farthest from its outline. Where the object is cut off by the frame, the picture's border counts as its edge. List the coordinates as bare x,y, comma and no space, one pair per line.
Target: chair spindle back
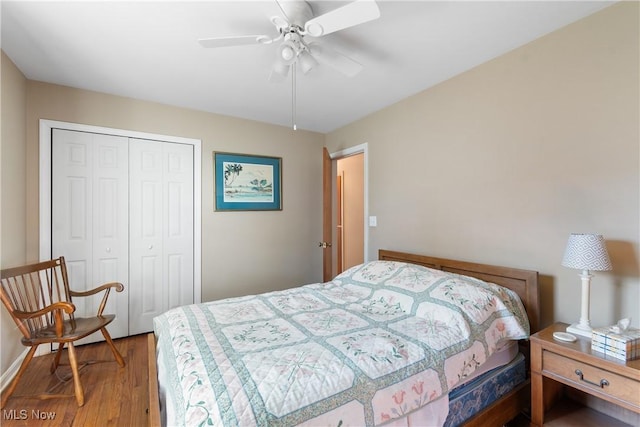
33,287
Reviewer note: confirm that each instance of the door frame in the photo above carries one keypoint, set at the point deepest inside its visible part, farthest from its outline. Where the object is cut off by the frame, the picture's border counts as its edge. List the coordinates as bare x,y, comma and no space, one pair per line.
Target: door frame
350,151
45,227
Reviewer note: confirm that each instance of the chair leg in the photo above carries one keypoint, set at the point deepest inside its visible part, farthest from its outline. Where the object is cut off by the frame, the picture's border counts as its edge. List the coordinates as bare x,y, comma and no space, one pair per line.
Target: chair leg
114,350
9,391
73,361
56,360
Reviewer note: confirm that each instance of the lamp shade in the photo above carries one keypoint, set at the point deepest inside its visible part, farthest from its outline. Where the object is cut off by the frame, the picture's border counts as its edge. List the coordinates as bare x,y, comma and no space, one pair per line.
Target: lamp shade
586,252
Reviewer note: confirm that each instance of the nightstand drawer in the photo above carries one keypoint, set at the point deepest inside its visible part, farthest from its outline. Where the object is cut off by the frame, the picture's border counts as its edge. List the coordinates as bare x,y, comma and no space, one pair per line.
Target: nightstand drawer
592,378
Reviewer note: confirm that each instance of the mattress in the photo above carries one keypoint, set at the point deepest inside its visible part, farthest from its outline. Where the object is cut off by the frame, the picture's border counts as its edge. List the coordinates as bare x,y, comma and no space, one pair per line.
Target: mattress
437,412
469,399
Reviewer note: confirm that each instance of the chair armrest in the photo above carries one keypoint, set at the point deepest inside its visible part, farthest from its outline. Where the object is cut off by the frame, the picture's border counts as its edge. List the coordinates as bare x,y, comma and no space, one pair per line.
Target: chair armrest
25,315
57,308
119,287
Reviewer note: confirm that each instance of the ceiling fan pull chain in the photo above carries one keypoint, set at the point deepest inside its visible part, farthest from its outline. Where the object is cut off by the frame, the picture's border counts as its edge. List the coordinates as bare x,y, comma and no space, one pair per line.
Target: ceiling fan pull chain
293,95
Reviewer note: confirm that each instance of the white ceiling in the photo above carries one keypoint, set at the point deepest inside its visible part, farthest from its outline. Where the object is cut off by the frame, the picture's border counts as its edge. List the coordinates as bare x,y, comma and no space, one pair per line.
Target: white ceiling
149,50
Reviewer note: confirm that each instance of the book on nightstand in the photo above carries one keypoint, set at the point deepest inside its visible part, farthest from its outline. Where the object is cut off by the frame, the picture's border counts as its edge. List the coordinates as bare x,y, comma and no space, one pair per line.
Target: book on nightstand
623,345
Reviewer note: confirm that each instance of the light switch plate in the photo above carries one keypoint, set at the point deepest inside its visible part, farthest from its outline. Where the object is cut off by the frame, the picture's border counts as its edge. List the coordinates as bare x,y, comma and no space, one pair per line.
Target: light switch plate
373,221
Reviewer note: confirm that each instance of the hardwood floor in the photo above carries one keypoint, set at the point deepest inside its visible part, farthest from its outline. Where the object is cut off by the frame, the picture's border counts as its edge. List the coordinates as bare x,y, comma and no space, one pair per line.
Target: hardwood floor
114,396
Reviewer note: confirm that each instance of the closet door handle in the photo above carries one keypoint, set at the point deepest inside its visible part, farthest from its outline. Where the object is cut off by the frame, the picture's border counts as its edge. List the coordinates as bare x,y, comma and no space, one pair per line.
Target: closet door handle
150,247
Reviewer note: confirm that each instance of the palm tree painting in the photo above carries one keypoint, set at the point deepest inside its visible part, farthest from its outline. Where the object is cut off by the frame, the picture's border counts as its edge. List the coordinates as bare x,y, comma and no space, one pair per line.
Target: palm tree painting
244,182
248,182
231,171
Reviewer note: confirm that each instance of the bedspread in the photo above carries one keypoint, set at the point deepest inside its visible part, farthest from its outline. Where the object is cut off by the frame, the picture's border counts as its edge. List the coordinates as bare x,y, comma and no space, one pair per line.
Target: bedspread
379,341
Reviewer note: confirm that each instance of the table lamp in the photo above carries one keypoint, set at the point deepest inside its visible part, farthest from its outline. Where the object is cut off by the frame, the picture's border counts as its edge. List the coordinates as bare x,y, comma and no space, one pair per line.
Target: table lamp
585,252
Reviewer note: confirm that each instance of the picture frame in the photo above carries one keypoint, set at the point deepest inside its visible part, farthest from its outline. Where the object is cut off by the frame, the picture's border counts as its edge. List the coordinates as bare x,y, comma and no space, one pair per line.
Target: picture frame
246,182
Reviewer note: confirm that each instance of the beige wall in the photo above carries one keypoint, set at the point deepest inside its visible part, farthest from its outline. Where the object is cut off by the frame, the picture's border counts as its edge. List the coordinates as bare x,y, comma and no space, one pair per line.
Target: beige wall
13,242
499,164
12,190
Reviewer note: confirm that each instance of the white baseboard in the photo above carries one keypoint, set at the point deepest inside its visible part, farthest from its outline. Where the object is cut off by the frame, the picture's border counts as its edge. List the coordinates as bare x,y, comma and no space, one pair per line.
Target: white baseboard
8,375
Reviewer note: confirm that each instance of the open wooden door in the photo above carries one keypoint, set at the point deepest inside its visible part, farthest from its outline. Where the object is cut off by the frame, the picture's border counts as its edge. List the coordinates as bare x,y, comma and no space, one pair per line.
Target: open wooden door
326,216
339,225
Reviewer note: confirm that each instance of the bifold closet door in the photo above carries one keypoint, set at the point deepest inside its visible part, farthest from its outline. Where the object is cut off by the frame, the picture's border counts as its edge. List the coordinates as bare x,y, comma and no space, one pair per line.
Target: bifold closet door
161,268
90,217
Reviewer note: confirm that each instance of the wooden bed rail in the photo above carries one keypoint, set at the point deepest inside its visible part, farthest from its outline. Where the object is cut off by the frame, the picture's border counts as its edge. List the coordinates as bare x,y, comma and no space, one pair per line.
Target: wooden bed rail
154,398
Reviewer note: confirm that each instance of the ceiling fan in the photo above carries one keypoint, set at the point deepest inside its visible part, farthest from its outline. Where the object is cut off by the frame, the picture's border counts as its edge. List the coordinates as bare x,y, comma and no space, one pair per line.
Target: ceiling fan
295,31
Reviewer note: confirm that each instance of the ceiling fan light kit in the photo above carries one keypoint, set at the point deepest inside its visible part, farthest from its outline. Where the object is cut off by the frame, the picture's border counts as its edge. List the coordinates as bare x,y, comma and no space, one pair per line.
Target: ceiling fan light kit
307,62
288,52
297,23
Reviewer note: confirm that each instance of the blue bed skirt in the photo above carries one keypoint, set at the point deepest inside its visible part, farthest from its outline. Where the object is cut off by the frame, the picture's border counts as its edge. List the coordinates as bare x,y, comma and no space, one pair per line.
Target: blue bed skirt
469,399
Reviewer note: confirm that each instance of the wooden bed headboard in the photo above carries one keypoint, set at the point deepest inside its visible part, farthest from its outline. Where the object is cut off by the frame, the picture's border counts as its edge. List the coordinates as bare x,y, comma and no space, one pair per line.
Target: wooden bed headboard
523,282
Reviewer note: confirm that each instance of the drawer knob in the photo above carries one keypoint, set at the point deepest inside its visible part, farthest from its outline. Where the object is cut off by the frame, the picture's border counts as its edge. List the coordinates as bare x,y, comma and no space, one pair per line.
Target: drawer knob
603,382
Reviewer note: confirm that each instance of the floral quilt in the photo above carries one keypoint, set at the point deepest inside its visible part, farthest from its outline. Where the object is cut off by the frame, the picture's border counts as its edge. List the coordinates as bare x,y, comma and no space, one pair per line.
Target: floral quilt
376,343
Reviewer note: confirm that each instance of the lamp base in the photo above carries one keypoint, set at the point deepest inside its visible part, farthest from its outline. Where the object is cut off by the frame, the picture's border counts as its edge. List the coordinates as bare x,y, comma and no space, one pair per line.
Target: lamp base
576,329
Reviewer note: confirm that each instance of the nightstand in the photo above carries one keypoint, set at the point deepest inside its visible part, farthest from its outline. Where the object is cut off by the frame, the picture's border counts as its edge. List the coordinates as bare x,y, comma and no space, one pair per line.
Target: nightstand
557,364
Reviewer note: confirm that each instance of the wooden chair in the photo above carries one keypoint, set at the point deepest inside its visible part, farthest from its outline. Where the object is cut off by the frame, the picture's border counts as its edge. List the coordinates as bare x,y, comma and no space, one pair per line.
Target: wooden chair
40,302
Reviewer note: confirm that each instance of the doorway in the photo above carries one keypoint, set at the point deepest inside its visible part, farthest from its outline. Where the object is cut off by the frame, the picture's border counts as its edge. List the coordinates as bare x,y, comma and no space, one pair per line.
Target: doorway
349,211
349,195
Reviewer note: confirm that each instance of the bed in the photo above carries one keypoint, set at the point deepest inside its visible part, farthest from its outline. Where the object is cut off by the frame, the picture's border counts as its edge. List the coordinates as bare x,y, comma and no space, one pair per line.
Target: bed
353,351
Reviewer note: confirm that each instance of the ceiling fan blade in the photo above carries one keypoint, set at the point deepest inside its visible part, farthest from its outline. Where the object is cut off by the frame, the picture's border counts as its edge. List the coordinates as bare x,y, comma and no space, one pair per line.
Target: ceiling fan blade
283,11
231,41
335,60
354,13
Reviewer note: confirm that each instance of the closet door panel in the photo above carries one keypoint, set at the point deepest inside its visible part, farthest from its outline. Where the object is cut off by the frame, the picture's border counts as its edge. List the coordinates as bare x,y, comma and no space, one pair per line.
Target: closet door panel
145,233
90,218
72,209
150,276
161,230
111,225
179,239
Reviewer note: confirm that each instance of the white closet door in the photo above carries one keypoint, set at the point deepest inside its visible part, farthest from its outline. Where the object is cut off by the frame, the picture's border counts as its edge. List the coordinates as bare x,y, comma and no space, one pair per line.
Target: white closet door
161,230
90,218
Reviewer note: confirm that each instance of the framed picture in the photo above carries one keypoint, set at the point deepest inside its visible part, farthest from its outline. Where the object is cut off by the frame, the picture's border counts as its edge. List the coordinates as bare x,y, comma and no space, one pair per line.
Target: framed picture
247,183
